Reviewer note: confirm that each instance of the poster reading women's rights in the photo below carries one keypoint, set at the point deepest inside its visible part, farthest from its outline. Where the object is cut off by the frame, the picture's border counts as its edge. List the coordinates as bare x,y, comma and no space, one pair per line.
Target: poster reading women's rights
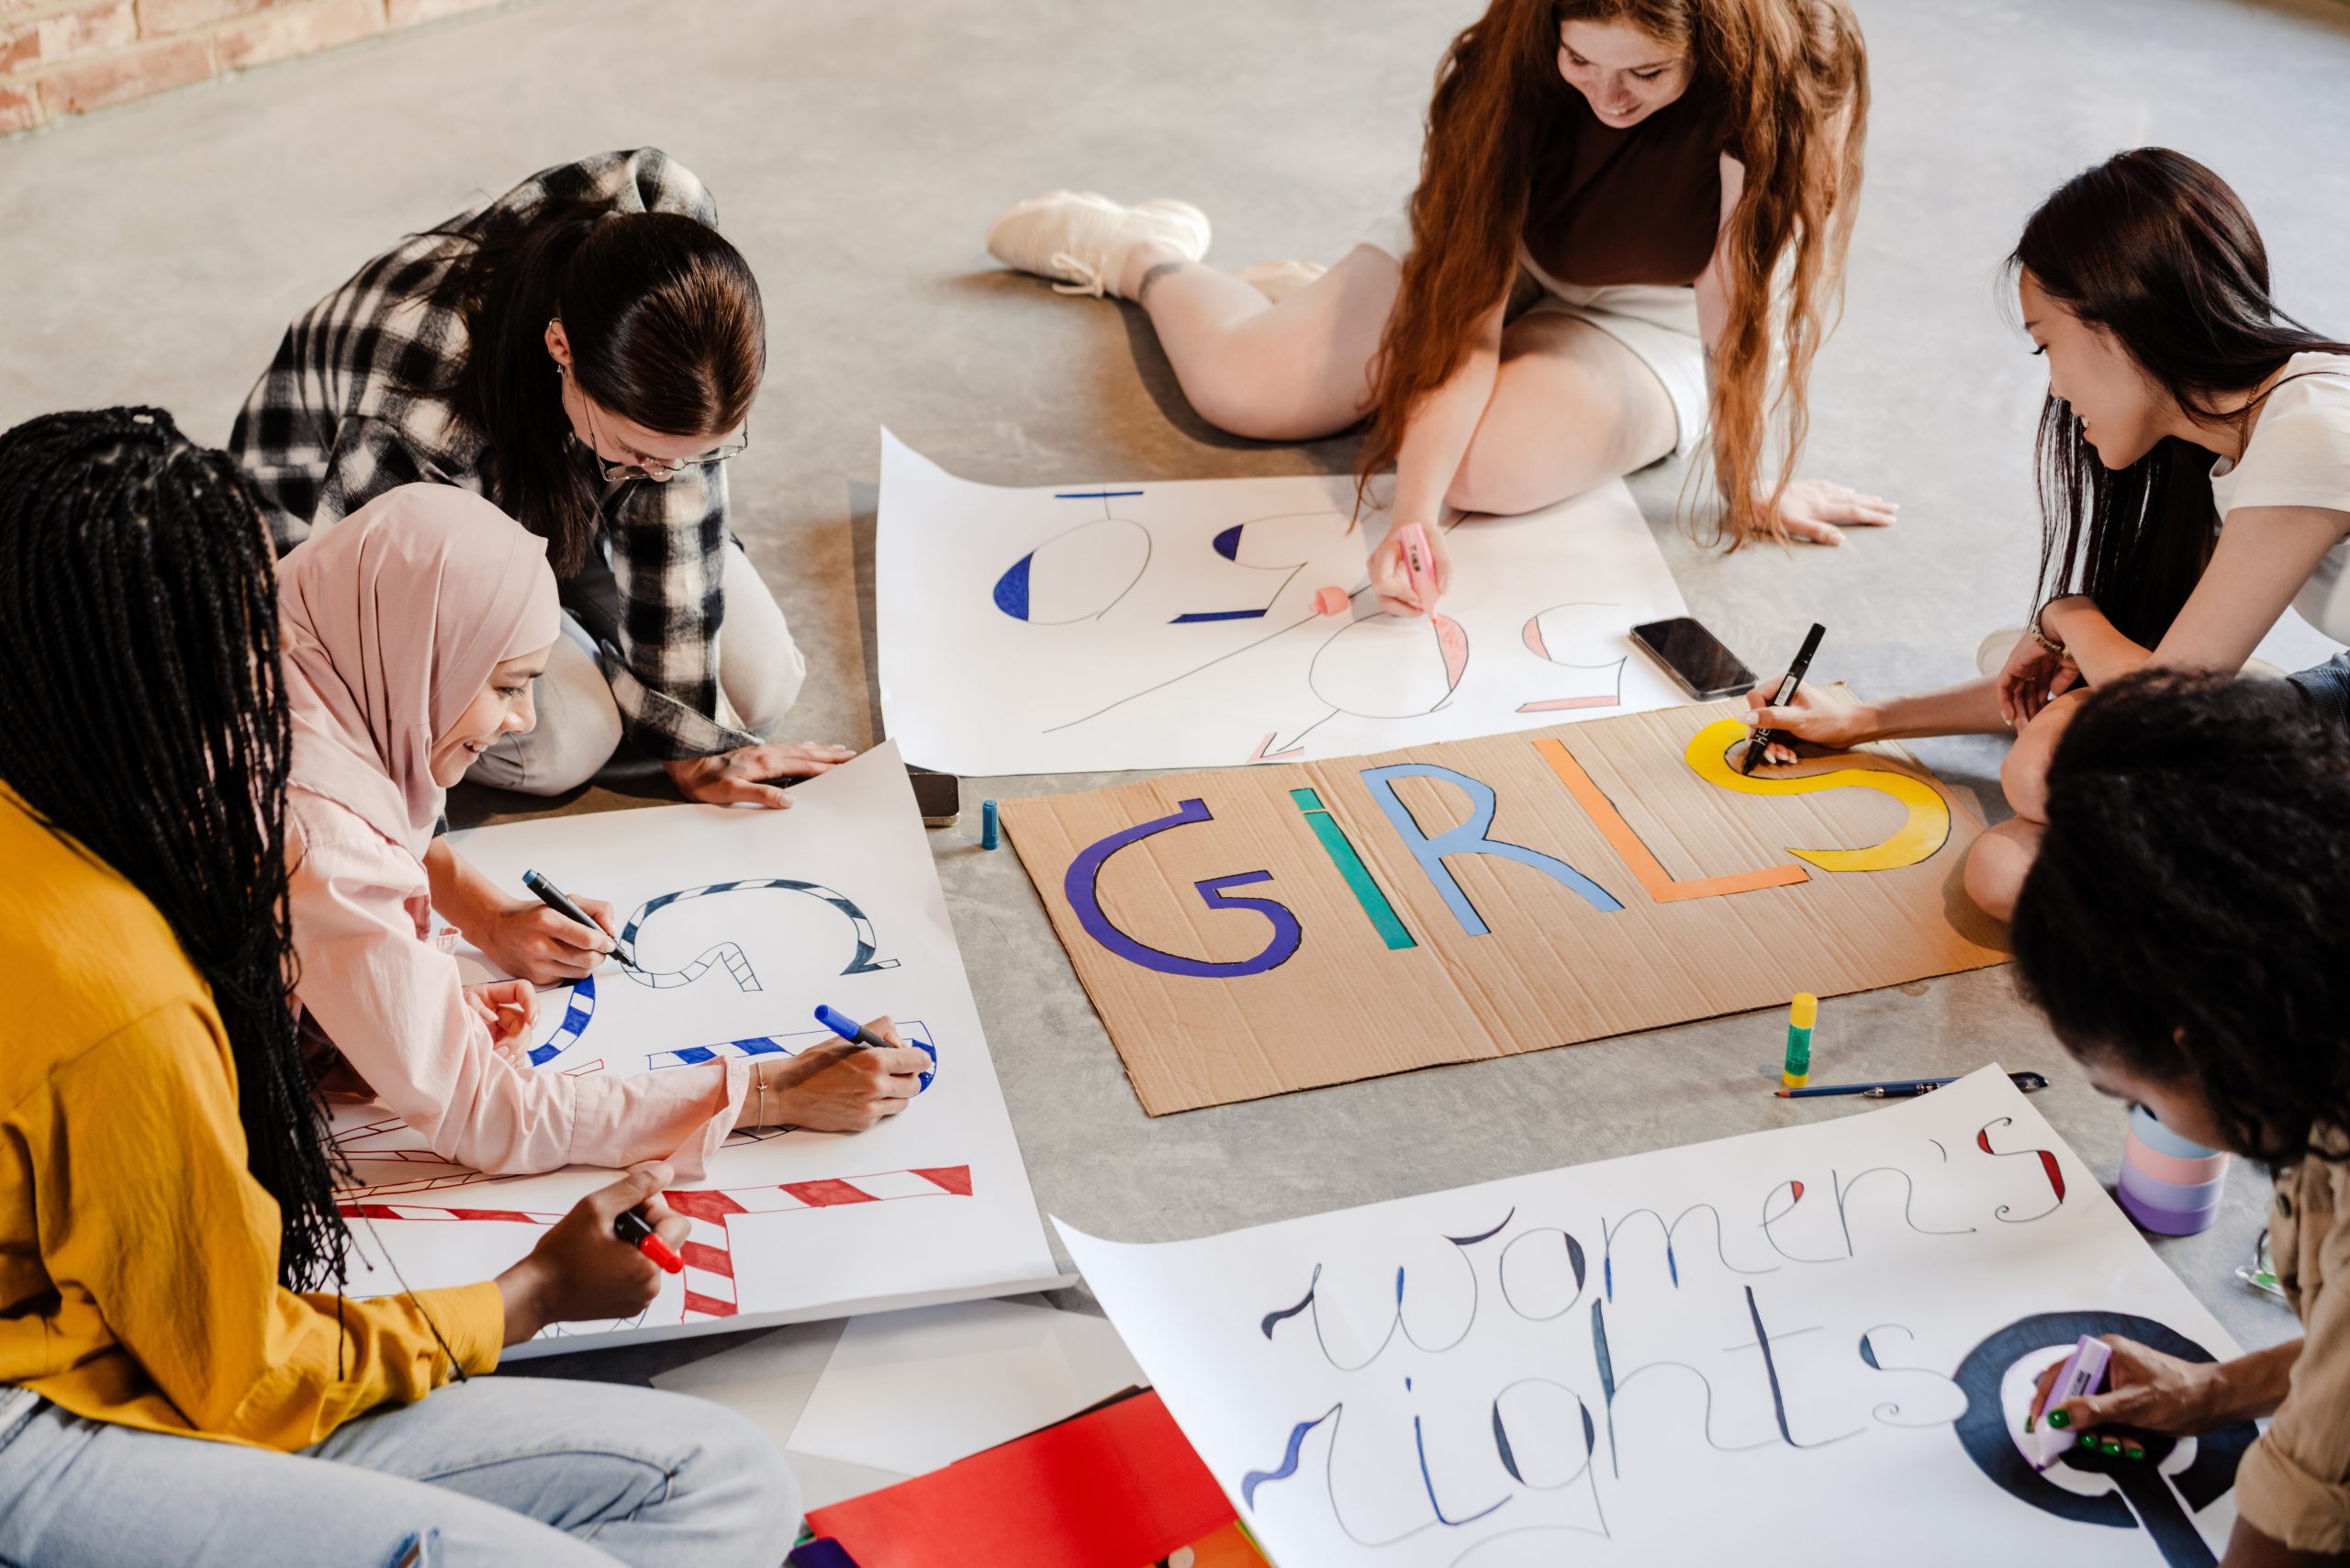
1246,932
1815,1345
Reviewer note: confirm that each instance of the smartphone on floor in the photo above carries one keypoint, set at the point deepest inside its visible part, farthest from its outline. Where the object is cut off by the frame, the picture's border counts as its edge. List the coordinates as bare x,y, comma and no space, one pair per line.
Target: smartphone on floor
1699,661
939,795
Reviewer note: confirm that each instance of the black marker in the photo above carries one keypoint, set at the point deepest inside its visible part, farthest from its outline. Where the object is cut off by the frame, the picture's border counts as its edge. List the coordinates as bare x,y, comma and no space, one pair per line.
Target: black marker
553,897
1902,1088
1762,740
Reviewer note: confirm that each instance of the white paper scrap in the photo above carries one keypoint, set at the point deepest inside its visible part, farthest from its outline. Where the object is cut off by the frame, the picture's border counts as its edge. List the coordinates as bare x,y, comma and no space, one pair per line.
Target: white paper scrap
913,1391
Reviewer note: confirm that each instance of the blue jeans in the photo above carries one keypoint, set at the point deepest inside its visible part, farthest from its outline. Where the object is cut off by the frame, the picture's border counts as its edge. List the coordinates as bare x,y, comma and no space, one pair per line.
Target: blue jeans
2327,686
506,1471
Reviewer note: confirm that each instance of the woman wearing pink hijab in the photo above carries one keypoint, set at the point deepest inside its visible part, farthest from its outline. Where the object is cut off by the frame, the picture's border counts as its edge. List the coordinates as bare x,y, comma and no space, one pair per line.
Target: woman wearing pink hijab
412,630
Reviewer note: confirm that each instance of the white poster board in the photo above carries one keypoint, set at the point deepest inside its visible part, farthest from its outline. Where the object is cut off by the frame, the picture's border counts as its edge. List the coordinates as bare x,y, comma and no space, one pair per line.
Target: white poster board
746,919
1806,1345
1090,627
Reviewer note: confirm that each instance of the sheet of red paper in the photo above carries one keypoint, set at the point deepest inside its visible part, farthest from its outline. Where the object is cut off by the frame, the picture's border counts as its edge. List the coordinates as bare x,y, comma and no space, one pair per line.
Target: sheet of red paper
1120,1486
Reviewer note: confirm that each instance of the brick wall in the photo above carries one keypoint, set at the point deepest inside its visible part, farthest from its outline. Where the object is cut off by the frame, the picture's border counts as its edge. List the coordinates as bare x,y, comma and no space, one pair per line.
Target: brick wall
68,57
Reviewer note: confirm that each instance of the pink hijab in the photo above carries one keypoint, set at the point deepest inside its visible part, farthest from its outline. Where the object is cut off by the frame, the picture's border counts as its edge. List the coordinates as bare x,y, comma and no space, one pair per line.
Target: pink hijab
392,621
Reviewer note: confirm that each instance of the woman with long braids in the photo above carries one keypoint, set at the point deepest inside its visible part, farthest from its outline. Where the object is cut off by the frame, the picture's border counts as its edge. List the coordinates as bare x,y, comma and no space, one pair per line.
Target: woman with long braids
1622,204
2194,474
583,351
174,1386
413,631
2182,930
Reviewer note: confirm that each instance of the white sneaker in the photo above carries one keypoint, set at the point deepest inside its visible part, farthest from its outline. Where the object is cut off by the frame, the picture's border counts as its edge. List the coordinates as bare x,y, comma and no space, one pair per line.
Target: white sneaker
1081,239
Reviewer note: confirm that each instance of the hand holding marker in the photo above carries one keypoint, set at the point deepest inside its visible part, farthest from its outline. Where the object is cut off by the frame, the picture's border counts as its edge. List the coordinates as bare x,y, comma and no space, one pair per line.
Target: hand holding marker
637,1231
864,1039
1760,742
2082,1373
849,1029
555,899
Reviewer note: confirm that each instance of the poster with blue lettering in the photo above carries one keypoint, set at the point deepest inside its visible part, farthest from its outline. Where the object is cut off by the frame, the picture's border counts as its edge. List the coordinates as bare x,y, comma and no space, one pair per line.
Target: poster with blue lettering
741,922
1081,628
1251,931
1813,1345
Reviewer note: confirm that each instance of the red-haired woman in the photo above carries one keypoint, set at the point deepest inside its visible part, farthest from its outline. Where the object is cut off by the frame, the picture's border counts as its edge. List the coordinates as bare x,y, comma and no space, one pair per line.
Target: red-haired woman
1610,192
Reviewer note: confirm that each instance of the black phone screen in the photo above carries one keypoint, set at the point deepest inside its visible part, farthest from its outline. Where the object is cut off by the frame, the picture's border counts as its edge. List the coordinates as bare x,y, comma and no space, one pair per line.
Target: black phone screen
1696,658
938,796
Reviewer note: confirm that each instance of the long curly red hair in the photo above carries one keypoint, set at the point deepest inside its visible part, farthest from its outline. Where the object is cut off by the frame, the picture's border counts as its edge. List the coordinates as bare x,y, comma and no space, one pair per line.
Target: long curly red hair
1794,76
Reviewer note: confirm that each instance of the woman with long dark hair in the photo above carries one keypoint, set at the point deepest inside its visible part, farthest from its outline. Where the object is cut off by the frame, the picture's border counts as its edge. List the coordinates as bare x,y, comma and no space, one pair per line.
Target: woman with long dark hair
167,1204
584,351
1588,276
2194,459
2181,928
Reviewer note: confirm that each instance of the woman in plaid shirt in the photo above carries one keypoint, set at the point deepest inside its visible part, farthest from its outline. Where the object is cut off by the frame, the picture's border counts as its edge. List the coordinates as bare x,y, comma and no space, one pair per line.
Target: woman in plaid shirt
583,351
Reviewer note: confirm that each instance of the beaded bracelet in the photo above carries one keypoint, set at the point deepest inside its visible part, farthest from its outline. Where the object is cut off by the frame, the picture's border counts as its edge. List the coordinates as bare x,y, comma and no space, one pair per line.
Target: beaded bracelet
2041,637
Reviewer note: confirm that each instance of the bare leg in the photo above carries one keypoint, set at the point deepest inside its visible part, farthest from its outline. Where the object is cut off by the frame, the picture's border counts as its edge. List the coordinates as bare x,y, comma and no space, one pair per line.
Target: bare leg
1998,863
1572,407
1295,371
2023,776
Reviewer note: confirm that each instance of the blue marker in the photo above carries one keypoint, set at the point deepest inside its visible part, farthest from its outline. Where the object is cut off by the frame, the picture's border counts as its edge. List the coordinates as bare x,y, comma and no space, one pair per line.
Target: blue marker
988,839
849,1029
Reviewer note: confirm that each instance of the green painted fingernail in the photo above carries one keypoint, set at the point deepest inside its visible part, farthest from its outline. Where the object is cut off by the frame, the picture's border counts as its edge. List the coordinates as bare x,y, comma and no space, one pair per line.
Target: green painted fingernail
2088,1440
2028,1420
2110,1448
2059,1419
2134,1450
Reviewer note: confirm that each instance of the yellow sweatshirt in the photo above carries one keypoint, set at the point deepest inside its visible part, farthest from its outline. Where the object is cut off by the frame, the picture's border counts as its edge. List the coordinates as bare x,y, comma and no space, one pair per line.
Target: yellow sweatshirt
138,1256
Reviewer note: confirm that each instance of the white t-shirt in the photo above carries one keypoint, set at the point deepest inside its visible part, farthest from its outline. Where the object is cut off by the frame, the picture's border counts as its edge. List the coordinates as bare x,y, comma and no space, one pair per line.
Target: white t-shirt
2299,457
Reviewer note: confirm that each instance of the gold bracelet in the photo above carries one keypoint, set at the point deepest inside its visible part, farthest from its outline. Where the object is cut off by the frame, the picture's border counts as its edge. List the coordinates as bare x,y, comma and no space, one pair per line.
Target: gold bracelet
2040,637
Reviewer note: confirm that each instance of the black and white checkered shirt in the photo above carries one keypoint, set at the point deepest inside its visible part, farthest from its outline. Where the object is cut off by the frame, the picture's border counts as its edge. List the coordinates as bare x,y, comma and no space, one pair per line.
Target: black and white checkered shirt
339,418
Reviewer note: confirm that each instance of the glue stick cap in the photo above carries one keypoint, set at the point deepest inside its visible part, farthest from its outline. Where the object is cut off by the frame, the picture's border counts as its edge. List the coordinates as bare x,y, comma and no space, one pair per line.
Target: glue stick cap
1804,1011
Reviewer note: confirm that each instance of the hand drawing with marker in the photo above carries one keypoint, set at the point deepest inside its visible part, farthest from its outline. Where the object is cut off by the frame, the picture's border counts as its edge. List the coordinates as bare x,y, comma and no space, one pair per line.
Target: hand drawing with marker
1223,621
1798,1346
731,970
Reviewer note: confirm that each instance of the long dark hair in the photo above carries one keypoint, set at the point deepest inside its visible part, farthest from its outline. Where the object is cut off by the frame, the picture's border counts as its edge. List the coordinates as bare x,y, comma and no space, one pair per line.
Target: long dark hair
141,716
1786,71
666,330
2183,914
2155,249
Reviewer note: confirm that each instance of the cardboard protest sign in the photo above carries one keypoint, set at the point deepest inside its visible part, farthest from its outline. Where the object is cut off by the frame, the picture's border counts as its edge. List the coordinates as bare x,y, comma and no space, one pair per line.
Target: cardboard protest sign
1251,931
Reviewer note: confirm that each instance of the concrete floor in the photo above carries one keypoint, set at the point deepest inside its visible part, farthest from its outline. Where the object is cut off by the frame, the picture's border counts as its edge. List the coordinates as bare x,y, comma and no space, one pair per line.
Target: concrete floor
153,255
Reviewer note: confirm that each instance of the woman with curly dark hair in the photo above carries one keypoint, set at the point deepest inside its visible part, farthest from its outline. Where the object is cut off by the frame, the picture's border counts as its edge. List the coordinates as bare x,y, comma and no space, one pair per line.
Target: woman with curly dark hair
2180,928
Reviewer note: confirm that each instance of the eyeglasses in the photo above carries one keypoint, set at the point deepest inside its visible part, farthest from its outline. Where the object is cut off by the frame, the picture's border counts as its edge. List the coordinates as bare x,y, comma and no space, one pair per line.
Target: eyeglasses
660,470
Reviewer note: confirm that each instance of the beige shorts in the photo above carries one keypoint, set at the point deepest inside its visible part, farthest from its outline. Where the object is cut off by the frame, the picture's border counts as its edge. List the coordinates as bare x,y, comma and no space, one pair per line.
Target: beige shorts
1657,322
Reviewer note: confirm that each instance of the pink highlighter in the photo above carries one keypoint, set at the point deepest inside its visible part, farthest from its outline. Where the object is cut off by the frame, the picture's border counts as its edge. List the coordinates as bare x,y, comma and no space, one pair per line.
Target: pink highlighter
1419,562
2083,1373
